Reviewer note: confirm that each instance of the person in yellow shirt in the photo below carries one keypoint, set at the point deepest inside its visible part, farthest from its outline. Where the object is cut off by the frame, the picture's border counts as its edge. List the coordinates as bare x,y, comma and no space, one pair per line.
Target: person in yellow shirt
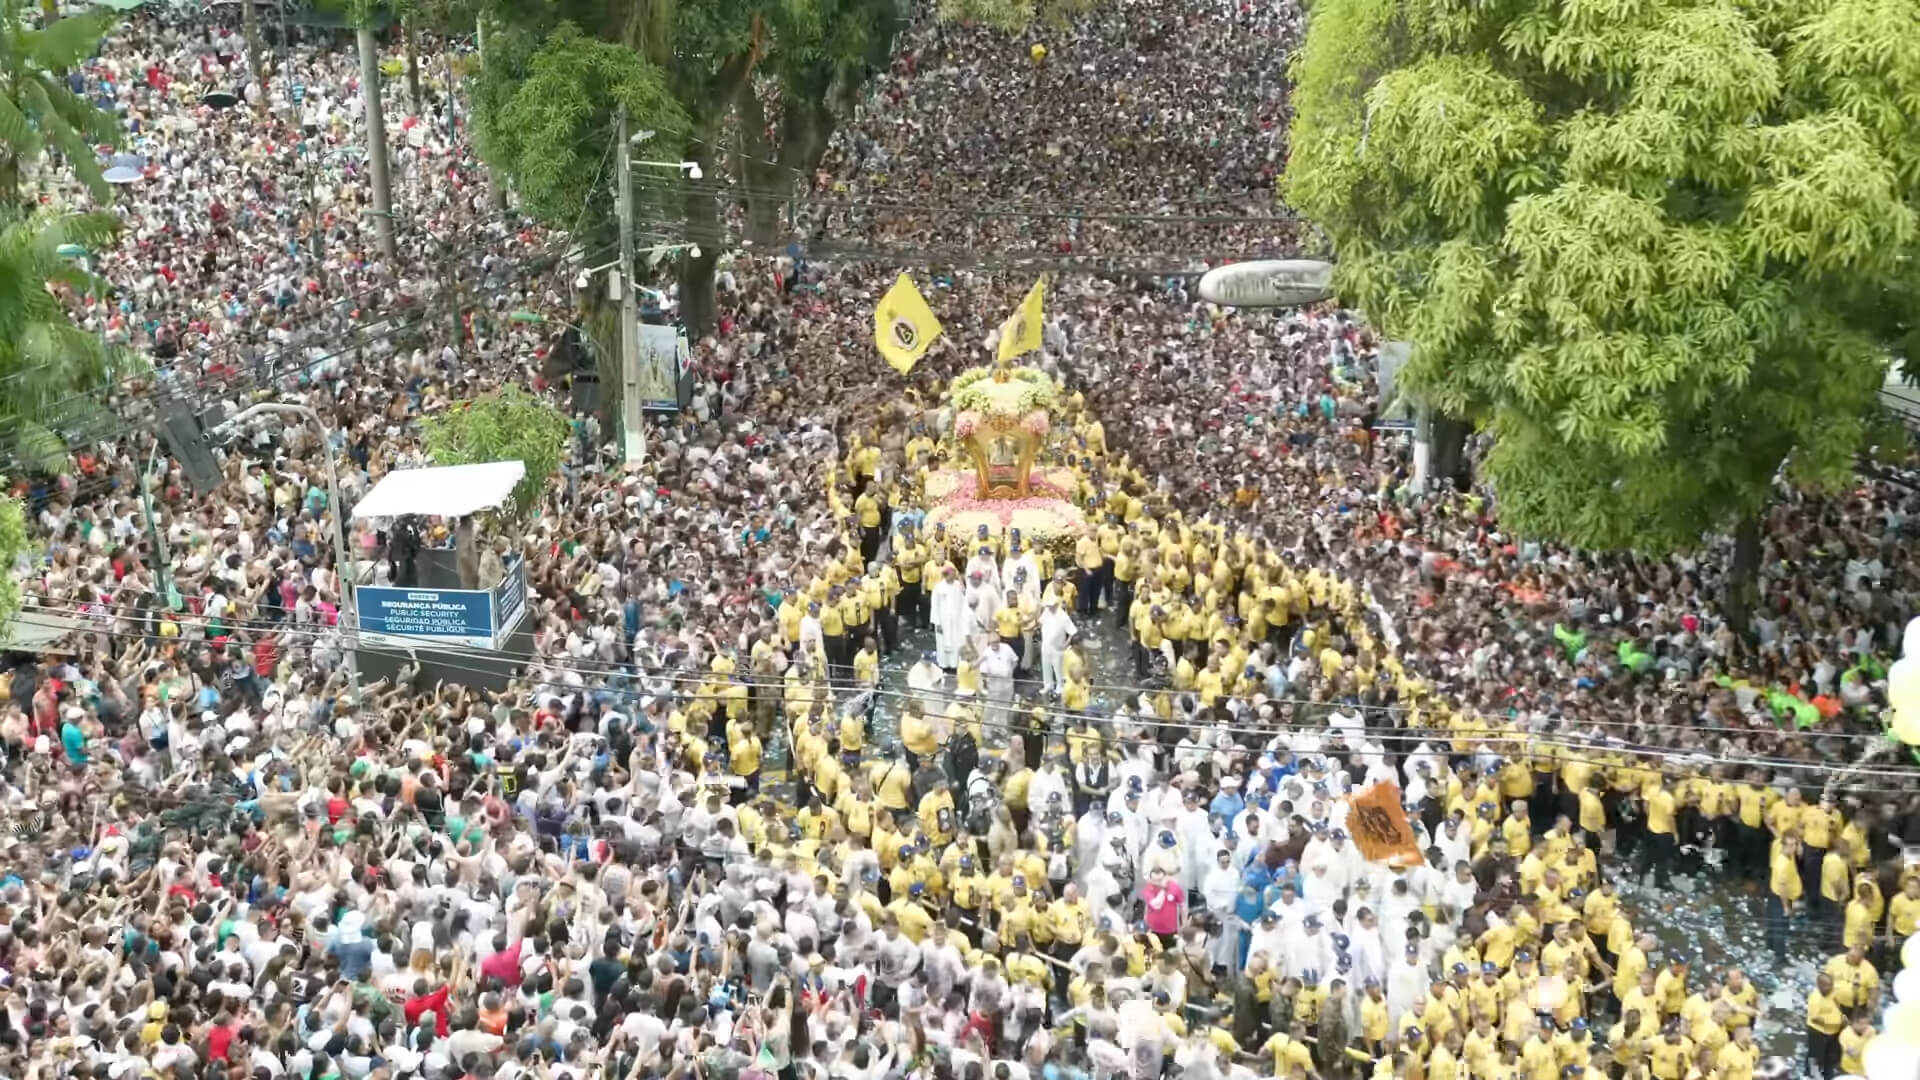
1373,1019
936,813
1825,1019
1784,891
1836,882
1857,922
1853,1043
743,758
1663,846
1670,1054
1289,1050
1670,986
1736,1060
1903,914
1856,985
1752,799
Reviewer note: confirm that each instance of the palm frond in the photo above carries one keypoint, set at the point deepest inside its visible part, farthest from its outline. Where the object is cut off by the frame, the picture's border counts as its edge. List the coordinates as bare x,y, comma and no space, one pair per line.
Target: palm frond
16,132
36,446
67,42
97,124
34,100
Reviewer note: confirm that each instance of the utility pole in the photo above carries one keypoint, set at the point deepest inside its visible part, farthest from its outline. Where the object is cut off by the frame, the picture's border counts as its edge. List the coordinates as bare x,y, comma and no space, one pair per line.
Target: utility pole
376,138
633,417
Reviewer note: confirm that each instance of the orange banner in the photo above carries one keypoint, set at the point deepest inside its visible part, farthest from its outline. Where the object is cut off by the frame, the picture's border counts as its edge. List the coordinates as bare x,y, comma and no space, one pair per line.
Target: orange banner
1379,826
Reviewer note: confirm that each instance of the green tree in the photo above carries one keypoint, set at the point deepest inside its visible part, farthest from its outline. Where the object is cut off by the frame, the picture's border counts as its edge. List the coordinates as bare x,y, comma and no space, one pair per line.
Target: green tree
1013,16
551,123
13,541
508,425
48,366
713,56
37,111
1662,250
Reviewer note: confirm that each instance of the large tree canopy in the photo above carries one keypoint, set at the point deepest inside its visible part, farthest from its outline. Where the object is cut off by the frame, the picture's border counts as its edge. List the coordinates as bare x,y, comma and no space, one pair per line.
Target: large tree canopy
540,118
1662,249
550,125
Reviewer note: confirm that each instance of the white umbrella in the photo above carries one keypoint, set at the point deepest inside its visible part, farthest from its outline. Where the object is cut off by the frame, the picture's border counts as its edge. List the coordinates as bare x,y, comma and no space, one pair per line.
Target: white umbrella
122,174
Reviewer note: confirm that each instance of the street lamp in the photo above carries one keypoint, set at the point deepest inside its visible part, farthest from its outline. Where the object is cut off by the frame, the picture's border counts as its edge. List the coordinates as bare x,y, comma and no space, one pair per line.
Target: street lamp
348,614
585,277
691,168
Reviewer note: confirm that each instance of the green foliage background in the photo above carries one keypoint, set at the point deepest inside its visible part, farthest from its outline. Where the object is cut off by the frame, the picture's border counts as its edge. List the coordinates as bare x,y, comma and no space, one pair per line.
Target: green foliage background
508,425
1662,249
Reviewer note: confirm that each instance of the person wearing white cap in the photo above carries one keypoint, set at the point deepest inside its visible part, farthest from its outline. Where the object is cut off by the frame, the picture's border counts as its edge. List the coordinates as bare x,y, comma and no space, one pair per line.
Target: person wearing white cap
1056,630
997,666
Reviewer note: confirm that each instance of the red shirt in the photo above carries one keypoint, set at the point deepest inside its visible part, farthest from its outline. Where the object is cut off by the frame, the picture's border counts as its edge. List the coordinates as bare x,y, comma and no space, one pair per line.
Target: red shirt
1163,906
218,1039
436,1003
504,966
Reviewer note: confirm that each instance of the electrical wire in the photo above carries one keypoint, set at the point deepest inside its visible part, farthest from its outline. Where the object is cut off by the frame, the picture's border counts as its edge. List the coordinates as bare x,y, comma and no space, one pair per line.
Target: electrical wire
1129,691
289,362
168,390
1574,749
722,189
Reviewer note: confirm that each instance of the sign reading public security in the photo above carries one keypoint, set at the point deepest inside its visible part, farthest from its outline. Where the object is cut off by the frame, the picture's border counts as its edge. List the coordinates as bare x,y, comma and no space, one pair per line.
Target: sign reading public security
1270,283
449,616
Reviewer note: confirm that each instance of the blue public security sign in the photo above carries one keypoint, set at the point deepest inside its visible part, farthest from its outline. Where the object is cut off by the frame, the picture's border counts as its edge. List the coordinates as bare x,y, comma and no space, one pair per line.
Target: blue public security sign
510,599
446,616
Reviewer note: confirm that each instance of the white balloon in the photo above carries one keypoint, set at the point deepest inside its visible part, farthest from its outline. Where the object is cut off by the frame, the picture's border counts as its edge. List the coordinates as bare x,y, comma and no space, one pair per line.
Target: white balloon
1906,985
1910,952
1885,1059
1910,638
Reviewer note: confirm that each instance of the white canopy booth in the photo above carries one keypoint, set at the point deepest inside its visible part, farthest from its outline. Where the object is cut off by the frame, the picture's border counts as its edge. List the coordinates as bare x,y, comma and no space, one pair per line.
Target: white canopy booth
442,596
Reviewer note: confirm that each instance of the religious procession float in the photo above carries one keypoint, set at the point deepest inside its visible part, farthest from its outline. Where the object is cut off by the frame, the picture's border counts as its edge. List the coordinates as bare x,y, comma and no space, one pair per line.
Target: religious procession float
1009,477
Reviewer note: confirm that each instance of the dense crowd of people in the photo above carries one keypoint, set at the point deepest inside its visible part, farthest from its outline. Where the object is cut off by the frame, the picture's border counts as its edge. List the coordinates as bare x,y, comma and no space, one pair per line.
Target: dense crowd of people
794,785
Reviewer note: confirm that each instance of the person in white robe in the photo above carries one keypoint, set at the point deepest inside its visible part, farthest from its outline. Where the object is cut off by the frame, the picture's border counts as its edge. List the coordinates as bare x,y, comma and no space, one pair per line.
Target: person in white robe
996,668
1195,830
952,620
925,681
1270,937
1366,947
1308,952
1022,571
983,603
1056,630
1220,888
1089,835
1406,986
983,564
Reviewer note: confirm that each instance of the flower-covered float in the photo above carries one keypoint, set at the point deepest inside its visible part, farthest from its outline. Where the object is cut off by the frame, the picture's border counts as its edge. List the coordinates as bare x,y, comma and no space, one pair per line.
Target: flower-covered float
1002,417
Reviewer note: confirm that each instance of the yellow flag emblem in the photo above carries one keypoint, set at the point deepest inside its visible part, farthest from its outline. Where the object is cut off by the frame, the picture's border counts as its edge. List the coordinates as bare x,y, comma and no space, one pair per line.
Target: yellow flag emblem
904,327
1020,334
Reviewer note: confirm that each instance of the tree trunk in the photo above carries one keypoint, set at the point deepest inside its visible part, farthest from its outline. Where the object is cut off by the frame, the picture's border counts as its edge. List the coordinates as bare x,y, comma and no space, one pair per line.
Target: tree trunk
1448,438
805,127
1742,592
413,67
377,171
761,179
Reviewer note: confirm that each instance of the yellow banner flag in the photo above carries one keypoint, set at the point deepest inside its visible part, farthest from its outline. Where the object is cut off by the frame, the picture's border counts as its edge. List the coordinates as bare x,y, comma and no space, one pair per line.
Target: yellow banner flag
904,327
1020,334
